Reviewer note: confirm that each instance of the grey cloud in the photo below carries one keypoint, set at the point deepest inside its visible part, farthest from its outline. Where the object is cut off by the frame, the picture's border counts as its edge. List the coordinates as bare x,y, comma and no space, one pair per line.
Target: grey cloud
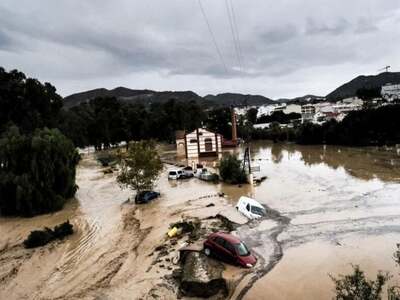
5,40
72,40
314,27
365,25
280,35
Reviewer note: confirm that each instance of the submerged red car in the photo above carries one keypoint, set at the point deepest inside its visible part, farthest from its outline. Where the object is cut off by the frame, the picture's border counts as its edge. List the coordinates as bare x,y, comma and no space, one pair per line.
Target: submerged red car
230,249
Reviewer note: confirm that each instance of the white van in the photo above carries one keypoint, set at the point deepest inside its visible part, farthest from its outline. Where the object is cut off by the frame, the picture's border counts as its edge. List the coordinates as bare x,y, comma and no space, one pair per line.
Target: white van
250,208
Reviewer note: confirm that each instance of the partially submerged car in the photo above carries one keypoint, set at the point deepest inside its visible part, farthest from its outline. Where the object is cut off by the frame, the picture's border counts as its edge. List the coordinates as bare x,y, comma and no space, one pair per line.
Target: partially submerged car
250,208
175,174
230,249
206,175
145,197
188,172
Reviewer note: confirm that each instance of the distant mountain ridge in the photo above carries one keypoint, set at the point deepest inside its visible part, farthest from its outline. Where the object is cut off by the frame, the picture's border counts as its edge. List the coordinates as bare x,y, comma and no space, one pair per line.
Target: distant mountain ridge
149,96
301,100
239,99
146,97
350,88
130,96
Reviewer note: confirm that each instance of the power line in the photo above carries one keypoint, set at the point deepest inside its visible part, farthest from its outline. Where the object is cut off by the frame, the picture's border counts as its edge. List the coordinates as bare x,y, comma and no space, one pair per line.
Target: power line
231,25
237,34
213,36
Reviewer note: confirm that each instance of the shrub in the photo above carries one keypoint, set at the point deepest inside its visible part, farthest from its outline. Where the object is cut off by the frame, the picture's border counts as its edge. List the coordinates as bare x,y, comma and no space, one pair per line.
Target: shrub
39,238
231,170
357,287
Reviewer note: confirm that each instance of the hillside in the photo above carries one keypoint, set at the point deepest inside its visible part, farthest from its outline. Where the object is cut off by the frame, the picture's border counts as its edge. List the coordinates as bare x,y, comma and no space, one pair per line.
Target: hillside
130,96
227,99
148,96
350,88
301,100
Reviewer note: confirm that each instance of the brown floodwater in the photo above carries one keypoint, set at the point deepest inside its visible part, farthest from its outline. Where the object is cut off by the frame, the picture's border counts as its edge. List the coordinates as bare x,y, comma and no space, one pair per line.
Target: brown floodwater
332,206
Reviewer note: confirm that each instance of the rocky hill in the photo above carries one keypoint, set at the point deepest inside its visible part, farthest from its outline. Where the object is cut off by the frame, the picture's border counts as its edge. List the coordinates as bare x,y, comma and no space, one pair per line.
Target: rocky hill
350,88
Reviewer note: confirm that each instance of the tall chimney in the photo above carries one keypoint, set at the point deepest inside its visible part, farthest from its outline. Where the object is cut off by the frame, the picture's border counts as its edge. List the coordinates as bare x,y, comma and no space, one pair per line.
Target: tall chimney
234,129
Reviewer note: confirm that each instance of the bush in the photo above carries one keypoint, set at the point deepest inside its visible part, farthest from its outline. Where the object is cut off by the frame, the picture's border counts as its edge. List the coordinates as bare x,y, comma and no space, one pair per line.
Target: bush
231,170
357,287
39,238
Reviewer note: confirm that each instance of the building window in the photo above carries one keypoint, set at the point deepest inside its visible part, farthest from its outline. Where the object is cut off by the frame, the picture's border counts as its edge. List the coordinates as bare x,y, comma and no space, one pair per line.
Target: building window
193,141
208,144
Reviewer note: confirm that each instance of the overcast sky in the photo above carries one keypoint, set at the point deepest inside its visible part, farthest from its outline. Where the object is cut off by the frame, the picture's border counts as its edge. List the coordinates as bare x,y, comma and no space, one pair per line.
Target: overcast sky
286,48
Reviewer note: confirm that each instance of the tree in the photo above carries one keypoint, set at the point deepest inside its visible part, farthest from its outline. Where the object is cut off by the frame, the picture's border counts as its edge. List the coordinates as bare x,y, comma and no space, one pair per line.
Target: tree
37,172
220,120
231,170
357,287
140,166
251,115
27,103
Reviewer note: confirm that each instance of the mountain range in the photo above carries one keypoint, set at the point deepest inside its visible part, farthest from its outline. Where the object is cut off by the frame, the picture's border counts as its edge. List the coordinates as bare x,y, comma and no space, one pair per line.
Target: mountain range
147,97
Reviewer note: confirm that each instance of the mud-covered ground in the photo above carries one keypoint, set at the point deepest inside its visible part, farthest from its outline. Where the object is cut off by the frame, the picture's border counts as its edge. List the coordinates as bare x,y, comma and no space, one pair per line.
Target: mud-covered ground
327,207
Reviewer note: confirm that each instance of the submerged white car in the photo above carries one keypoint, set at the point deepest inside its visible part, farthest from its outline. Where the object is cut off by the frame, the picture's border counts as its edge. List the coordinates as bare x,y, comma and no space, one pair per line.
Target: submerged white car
175,174
250,208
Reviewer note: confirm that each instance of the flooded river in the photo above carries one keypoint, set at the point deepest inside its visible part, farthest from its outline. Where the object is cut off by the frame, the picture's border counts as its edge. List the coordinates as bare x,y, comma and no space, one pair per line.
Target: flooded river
344,208
330,207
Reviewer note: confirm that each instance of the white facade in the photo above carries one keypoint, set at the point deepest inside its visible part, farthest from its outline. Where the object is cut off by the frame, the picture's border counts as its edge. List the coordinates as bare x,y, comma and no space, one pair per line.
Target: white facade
202,142
292,108
391,92
307,112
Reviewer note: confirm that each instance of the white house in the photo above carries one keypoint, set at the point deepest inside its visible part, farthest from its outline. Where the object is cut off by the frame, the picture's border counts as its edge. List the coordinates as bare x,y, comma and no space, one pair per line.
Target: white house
200,143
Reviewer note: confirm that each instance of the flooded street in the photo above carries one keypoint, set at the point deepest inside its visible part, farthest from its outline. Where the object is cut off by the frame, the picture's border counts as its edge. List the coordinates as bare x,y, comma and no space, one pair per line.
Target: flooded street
328,207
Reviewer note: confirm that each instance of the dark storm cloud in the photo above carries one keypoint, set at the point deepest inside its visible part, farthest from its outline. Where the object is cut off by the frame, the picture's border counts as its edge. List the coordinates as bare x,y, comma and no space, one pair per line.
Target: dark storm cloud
166,44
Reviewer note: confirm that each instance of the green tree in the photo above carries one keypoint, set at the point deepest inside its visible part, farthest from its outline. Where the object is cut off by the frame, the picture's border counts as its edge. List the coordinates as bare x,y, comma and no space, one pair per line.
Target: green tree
37,172
140,166
231,170
357,287
27,103
251,115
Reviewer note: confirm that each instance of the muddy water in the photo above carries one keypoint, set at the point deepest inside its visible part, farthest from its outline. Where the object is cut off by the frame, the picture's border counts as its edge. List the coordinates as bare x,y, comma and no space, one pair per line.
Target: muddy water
344,207
330,206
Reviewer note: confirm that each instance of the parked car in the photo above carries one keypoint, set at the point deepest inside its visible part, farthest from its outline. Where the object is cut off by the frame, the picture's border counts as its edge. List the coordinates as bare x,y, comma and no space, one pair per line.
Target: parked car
188,172
250,208
145,197
230,249
175,174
